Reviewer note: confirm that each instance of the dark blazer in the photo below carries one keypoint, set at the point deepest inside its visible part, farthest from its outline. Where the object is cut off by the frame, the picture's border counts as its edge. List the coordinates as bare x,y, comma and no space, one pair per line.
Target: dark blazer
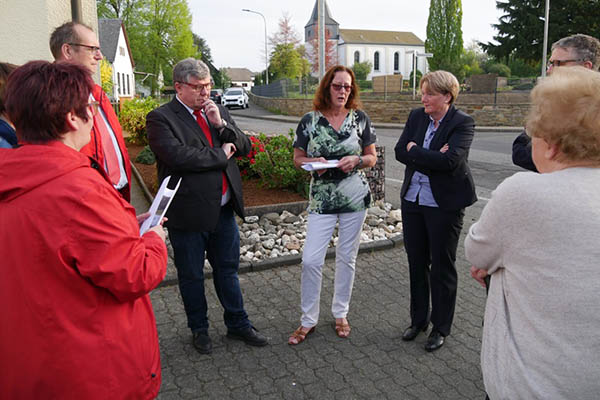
182,150
521,152
449,174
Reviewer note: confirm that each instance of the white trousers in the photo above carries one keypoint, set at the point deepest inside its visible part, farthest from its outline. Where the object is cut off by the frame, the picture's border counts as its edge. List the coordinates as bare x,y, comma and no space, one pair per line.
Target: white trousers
319,229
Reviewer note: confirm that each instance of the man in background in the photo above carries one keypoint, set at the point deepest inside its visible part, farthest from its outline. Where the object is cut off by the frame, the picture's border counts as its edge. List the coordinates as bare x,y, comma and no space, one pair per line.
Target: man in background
77,43
572,50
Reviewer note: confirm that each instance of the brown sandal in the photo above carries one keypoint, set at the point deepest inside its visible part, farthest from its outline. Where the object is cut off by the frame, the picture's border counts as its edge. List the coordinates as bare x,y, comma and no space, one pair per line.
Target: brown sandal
299,335
342,329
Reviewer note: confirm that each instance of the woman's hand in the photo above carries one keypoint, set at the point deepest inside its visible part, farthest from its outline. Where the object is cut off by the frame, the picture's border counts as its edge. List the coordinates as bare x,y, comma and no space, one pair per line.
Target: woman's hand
348,163
479,275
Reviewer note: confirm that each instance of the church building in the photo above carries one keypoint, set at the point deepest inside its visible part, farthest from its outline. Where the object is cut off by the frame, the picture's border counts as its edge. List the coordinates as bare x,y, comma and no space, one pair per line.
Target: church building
389,52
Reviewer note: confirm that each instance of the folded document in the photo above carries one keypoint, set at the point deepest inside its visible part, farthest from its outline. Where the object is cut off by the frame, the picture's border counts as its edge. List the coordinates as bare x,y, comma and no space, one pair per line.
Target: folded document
312,166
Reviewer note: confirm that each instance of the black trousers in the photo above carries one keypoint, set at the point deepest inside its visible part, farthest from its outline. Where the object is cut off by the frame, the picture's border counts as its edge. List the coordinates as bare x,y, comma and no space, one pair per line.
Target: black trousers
431,238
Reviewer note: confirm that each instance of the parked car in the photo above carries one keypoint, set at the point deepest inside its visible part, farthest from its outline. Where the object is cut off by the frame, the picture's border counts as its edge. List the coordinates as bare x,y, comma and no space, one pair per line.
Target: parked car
235,97
216,95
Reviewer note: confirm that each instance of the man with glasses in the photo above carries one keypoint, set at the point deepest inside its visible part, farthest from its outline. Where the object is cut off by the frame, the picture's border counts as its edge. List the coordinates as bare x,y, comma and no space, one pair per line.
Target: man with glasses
572,50
77,43
197,140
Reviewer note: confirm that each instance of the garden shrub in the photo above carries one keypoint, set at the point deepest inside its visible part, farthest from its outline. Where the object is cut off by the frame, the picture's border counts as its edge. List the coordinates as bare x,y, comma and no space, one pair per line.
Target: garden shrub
133,118
146,156
272,160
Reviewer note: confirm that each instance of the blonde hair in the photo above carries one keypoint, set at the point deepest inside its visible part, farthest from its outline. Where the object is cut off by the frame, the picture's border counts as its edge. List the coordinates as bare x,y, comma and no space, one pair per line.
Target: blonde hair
565,112
442,82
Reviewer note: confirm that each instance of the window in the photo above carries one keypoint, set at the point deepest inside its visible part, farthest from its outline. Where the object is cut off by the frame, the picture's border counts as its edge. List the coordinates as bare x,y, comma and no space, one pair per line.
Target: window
128,87
121,50
376,61
123,80
119,82
396,61
356,57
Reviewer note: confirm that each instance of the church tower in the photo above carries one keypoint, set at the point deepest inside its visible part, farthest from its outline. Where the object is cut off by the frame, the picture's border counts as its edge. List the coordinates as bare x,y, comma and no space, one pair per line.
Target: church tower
312,25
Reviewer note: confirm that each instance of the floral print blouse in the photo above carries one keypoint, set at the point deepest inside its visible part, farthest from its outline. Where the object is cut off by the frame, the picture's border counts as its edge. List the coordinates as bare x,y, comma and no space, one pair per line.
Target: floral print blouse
335,191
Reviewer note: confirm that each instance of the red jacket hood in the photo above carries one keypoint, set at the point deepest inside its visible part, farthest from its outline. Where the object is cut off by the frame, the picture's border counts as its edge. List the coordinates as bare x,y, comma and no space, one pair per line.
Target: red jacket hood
30,166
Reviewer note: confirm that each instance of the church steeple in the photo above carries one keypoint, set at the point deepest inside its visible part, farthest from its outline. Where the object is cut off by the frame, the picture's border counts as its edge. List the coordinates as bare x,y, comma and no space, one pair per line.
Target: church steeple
330,24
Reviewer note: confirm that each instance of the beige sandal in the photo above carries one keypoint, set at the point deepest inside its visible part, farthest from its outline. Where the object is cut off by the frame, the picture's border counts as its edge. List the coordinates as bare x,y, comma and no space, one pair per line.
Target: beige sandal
299,335
342,329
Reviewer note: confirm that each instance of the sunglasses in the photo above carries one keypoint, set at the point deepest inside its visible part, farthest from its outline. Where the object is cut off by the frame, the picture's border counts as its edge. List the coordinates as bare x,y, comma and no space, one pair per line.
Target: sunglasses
337,87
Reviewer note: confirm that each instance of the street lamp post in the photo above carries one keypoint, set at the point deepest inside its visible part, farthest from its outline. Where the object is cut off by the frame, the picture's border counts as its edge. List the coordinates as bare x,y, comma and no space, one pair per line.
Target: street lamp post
415,55
547,17
266,53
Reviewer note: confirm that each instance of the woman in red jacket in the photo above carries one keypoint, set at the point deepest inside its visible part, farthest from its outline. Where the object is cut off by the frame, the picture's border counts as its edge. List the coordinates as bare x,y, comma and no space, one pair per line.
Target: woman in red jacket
77,322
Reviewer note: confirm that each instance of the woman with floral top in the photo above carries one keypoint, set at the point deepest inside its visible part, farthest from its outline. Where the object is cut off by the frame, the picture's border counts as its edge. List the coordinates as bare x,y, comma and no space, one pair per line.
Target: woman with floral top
334,130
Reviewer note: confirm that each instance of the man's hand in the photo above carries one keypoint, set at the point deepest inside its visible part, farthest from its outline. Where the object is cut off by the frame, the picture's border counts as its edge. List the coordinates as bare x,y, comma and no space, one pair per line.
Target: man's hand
444,148
212,113
142,217
410,145
479,274
229,149
158,229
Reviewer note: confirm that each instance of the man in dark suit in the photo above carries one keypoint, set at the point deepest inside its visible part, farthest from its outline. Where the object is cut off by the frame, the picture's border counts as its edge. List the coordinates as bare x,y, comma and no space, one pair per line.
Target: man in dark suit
437,187
572,50
196,139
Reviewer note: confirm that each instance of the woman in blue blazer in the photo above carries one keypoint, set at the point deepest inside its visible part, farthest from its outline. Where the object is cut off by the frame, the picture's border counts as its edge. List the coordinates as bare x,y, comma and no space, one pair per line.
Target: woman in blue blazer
437,187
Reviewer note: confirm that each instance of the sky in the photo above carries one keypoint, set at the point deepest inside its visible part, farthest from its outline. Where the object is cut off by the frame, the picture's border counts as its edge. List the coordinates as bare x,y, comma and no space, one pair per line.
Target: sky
237,38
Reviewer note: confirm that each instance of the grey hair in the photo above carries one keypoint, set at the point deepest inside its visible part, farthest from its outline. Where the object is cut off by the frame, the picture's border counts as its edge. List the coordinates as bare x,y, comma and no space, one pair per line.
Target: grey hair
586,48
190,67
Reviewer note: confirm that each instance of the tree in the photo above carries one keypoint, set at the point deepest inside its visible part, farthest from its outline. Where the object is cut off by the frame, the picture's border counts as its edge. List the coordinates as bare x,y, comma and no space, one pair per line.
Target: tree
286,34
361,70
444,36
521,26
125,10
106,71
203,48
330,52
285,62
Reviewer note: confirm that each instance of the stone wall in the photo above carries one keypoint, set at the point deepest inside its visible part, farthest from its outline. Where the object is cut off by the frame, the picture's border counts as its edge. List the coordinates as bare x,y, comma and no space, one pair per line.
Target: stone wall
484,113
376,175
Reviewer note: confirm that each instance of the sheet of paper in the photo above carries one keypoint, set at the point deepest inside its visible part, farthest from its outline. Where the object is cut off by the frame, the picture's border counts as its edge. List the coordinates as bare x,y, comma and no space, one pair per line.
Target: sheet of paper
312,166
159,206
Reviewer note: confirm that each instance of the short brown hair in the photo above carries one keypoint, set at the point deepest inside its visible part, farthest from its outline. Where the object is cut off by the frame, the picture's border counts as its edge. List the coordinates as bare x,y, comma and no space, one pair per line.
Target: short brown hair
565,113
322,99
5,70
65,33
442,82
39,95
585,47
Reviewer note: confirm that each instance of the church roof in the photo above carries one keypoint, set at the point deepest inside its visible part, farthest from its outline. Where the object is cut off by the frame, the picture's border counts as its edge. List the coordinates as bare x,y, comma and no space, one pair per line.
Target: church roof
315,16
379,37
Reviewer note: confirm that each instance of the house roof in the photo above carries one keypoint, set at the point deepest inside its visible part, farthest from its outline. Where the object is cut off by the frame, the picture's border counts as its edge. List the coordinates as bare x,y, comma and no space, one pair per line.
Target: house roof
108,34
239,74
315,16
379,37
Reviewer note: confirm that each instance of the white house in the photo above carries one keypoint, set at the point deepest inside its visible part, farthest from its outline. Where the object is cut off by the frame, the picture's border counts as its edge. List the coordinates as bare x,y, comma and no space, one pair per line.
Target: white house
389,52
240,77
115,47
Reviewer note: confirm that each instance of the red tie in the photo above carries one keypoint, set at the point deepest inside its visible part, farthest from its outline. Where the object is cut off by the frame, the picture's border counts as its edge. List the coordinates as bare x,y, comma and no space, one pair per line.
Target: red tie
111,161
206,130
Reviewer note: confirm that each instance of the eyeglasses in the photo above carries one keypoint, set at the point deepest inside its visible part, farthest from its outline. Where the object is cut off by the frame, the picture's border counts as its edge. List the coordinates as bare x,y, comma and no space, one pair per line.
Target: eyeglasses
338,87
198,88
558,63
94,106
92,49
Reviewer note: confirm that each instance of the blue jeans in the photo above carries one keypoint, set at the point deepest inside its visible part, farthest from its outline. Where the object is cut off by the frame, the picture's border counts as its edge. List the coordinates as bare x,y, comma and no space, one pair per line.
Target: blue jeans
222,247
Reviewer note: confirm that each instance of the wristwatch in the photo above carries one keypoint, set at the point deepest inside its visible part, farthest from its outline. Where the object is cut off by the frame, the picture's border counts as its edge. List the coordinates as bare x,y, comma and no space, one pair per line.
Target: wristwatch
360,162
223,124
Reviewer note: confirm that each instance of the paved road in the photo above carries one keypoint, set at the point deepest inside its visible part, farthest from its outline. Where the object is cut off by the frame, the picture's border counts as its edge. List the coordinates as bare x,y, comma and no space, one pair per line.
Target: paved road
373,363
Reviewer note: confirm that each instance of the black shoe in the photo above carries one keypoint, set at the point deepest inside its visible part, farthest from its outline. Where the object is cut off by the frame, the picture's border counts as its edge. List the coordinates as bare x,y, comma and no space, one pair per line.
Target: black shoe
250,336
435,341
202,342
412,332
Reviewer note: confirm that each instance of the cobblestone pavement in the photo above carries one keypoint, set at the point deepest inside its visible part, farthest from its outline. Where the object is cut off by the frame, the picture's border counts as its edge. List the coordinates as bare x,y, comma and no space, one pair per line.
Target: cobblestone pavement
373,363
